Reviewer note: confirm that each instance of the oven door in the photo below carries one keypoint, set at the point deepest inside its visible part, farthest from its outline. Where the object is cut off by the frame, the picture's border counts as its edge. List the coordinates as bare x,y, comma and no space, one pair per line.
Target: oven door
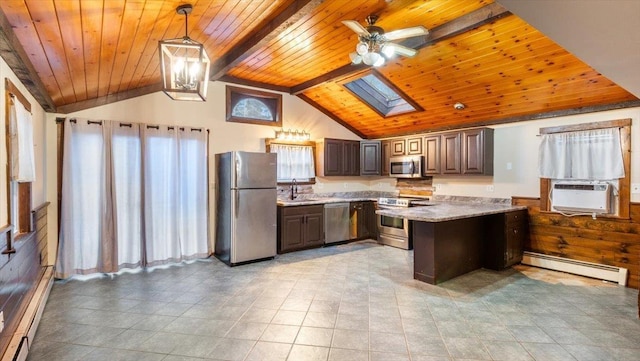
393,226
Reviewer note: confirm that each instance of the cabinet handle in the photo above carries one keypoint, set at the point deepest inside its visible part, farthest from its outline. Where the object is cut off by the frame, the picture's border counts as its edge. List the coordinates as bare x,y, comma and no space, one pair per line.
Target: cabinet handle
515,231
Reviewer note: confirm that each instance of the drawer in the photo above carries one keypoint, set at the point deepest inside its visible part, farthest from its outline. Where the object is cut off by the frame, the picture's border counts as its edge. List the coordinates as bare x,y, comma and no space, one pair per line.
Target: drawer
301,210
515,217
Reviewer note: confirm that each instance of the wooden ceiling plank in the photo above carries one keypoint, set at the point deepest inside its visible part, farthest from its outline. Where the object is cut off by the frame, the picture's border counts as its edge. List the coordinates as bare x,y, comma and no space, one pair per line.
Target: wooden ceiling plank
69,19
43,14
18,61
457,26
145,28
112,27
91,12
109,98
150,57
131,21
323,30
290,15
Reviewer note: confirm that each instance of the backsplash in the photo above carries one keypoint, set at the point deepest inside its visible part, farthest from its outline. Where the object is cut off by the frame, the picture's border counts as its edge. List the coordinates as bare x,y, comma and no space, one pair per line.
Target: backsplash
415,187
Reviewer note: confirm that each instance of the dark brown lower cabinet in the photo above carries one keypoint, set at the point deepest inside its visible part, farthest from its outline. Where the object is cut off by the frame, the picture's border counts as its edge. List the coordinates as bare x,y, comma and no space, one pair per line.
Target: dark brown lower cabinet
505,234
300,227
365,213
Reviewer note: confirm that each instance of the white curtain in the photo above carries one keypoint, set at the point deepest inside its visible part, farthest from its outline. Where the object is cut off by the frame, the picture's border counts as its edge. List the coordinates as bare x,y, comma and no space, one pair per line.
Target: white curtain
294,161
83,210
23,166
587,155
132,195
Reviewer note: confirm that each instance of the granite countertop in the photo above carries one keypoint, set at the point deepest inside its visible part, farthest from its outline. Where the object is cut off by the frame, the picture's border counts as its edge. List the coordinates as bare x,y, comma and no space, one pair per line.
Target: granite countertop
338,197
322,200
447,211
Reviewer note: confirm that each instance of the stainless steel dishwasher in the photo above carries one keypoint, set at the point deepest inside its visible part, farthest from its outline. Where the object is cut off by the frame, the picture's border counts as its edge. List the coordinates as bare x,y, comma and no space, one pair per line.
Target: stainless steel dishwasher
336,222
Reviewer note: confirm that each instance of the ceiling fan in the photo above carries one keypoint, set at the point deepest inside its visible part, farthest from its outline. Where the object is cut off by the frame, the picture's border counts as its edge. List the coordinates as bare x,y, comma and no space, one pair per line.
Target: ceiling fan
375,44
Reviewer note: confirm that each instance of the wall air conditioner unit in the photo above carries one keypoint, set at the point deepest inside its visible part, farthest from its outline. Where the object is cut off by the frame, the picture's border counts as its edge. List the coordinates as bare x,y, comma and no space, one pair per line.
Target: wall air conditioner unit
581,197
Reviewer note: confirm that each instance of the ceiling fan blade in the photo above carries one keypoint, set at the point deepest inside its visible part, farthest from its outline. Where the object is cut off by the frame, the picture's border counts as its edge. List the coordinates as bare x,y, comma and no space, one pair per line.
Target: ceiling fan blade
356,27
402,50
406,33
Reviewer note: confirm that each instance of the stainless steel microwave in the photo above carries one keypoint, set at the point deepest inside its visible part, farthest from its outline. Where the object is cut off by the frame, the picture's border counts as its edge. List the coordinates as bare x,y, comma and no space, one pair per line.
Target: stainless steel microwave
406,166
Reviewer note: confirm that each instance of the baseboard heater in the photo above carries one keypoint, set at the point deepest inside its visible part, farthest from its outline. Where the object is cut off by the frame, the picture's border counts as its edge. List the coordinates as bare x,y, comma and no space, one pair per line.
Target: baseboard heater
588,269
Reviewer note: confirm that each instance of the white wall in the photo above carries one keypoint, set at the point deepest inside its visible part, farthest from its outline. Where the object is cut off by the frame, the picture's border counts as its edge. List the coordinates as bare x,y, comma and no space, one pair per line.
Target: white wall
38,188
517,144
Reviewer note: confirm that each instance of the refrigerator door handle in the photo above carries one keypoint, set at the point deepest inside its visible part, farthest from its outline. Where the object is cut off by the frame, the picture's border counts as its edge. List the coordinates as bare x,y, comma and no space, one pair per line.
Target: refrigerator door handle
237,202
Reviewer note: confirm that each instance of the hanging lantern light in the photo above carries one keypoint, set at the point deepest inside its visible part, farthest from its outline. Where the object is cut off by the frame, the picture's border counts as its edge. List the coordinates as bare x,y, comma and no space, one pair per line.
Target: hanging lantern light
184,65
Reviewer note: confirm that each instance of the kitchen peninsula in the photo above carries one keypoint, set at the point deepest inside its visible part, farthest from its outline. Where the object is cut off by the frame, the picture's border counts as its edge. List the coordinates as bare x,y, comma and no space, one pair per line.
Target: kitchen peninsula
451,238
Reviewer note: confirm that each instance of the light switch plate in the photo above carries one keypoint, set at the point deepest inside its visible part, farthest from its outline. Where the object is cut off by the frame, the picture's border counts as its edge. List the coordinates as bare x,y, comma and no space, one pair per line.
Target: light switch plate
1,321
635,188
490,188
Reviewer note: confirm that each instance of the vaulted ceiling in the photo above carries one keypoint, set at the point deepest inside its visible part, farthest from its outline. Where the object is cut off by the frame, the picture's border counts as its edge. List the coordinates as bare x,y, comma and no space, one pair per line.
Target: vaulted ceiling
76,54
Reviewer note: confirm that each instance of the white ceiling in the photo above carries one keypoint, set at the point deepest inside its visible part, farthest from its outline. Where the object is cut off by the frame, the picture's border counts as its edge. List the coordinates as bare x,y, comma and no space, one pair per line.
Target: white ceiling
603,33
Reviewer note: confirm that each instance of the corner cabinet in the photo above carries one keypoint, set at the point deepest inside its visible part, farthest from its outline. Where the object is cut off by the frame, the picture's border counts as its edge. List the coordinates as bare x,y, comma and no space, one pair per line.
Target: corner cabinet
300,227
464,152
370,157
338,157
506,235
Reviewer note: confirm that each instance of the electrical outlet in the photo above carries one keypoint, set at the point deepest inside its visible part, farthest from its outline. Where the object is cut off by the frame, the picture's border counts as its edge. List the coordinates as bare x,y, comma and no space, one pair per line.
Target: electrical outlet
1,321
635,188
346,185
437,187
490,188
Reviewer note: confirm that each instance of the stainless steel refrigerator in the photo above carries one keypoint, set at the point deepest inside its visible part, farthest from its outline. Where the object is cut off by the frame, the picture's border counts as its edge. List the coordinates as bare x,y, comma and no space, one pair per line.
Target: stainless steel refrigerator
245,207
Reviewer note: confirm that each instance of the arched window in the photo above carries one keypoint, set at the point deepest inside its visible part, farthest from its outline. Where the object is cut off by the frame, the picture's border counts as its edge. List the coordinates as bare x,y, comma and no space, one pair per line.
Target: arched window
254,107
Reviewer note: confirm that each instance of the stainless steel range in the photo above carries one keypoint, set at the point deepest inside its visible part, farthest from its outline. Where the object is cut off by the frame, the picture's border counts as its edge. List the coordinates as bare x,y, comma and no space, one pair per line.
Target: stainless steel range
395,231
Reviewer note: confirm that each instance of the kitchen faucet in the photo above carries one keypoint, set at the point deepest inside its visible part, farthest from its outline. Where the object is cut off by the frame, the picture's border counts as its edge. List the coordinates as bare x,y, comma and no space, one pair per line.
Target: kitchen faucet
294,188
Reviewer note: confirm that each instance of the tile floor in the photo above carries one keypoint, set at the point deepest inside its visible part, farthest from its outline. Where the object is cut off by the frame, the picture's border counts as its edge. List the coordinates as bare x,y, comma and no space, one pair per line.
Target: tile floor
351,302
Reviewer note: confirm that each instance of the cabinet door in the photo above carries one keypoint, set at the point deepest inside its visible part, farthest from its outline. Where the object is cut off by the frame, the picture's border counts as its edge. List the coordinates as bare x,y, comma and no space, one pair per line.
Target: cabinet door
369,221
386,154
414,146
432,155
370,158
314,229
333,157
292,233
397,147
450,153
473,151
351,158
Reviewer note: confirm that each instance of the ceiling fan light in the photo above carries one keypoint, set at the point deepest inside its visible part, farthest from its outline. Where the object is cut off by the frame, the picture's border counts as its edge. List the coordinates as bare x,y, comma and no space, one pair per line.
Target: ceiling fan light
362,48
355,58
388,50
380,61
371,58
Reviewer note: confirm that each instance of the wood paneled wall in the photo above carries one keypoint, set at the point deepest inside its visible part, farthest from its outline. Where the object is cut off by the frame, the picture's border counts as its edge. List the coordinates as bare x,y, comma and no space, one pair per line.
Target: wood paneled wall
20,273
609,241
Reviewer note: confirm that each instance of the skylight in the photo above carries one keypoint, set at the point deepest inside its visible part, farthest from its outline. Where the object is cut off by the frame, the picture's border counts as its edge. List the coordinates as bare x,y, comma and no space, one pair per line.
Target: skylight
378,93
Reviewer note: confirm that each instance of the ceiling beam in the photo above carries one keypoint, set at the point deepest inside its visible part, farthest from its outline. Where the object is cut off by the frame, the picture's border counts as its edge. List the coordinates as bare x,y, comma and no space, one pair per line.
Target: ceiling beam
255,41
452,28
255,84
326,112
111,98
14,55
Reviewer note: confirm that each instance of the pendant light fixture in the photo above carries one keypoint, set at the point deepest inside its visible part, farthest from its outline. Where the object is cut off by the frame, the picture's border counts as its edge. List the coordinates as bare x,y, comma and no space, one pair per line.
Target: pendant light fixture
184,64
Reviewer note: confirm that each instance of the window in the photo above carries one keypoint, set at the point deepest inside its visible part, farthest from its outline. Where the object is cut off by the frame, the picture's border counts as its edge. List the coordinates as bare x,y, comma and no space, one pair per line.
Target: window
295,161
21,160
253,107
379,94
572,166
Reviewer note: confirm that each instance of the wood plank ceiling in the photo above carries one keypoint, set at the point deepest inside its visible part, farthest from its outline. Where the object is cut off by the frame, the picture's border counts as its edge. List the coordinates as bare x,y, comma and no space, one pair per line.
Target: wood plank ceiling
88,53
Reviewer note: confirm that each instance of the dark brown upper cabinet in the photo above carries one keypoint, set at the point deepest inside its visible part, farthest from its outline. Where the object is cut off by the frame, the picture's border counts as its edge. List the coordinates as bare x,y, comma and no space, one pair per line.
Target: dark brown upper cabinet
432,163
338,157
370,157
414,146
398,147
477,151
450,153
385,156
